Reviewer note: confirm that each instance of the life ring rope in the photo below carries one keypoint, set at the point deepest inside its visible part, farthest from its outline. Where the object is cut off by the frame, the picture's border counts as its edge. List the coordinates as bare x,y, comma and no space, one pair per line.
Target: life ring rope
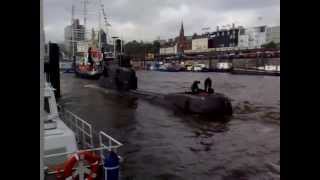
89,157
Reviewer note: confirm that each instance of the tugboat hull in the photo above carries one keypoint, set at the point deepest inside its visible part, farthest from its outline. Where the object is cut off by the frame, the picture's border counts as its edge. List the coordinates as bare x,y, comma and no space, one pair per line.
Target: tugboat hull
88,72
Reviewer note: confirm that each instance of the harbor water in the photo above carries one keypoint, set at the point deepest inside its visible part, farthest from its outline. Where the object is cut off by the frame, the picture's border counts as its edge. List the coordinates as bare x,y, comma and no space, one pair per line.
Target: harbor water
162,144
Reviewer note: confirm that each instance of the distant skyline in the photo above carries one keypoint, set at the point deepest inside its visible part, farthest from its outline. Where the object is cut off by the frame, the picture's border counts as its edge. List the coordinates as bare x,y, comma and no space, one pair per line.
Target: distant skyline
149,19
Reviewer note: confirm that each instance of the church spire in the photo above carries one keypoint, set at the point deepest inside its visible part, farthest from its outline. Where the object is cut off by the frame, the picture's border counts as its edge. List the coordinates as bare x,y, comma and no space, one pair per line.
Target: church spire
181,40
181,30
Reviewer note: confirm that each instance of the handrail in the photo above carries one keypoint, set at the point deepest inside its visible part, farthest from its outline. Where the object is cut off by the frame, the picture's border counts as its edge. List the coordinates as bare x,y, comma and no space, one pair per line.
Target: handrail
109,137
101,148
81,128
109,146
78,117
77,124
85,150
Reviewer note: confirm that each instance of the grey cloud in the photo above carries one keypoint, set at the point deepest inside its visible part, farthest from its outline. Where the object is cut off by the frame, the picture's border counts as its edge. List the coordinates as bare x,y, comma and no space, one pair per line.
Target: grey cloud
148,19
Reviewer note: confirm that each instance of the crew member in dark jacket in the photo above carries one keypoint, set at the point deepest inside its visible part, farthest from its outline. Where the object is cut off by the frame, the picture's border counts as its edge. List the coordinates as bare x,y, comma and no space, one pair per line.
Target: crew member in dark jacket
207,84
195,88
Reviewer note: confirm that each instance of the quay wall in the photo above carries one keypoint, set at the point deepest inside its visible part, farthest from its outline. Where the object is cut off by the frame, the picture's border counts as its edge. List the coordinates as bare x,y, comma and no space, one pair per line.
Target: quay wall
237,63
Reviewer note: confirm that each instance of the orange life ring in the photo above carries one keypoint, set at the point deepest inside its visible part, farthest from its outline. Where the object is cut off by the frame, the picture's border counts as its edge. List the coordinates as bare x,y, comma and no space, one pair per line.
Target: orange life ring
90,157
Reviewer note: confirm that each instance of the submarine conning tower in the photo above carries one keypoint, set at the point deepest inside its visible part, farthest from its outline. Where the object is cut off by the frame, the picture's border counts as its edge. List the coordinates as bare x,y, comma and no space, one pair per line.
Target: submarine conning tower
118,74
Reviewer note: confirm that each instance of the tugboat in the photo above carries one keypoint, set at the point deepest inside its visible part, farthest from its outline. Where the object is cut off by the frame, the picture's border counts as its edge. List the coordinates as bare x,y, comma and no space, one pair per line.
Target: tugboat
88,69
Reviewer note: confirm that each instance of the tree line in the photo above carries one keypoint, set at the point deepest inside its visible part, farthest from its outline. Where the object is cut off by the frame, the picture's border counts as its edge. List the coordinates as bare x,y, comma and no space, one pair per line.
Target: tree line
140,49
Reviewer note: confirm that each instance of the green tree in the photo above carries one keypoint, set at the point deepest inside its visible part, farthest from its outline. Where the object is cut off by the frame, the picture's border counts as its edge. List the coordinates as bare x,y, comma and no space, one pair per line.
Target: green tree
139,49
271,45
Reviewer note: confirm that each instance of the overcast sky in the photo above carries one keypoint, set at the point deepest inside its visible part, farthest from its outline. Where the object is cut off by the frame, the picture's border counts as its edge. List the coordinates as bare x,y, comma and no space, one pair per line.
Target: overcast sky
149,19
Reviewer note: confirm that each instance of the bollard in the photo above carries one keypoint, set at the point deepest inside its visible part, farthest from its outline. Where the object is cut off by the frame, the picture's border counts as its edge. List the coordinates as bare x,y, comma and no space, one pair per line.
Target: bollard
111,166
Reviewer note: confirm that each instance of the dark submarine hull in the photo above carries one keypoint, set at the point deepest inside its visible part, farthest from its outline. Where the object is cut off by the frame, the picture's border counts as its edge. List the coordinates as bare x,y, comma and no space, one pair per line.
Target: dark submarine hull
119,78
207,104
214,105
123,79
118,74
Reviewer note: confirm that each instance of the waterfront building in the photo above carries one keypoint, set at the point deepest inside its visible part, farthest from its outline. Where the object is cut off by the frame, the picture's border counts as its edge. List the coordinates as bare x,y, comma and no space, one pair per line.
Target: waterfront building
188,43
177,45
273,34
251,38
168,49
200,43
78,34
162,42
224,38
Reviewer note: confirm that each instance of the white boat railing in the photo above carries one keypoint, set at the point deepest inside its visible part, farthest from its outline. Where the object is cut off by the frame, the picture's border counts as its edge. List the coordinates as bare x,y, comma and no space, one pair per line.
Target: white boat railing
53,170
112,144
81,128
83,132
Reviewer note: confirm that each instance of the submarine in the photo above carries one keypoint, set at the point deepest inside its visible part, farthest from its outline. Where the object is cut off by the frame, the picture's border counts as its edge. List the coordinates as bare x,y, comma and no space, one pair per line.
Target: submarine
216,104
119,75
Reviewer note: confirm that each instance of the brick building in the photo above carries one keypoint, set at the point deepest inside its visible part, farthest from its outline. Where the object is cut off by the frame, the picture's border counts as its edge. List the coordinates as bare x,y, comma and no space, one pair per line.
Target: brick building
183,42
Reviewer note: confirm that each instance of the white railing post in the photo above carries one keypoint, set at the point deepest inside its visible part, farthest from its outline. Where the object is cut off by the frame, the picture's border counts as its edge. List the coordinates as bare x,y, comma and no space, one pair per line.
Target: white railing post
101,145
83,135
91,137
110,144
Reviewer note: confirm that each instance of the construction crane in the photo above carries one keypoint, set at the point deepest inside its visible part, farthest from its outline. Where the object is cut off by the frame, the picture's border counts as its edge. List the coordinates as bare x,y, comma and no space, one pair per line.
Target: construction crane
106,23
84,11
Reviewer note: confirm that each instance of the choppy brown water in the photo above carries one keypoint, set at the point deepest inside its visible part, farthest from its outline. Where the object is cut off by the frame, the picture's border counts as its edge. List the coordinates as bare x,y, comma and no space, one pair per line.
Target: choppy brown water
161,144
